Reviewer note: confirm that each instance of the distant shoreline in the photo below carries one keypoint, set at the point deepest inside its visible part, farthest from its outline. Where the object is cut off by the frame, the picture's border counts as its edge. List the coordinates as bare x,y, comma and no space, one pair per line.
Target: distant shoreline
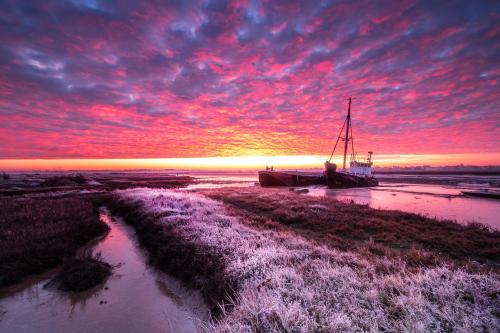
437,172
495,172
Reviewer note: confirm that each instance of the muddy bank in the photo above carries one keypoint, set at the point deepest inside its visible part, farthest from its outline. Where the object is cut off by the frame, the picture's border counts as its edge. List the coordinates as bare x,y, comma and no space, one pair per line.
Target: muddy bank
39,234
281,279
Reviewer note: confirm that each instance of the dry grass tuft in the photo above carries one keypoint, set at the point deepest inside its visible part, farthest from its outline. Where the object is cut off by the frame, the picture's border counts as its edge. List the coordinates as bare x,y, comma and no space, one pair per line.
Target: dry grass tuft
83,272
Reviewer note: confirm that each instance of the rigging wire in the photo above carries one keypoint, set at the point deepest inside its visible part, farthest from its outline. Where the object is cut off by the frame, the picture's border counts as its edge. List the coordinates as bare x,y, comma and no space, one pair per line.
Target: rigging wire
353,156
338,138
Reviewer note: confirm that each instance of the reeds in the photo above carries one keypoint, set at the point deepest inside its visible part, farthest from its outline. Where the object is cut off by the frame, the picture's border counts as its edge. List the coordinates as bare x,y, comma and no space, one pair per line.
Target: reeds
37,234
65,180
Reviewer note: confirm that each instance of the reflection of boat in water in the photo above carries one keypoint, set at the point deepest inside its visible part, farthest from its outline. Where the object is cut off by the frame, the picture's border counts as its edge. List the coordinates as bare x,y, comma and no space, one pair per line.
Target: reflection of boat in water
358,175
483,194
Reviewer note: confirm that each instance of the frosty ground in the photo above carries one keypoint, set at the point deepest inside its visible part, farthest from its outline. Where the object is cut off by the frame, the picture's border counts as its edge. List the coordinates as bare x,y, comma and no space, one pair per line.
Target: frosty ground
270,260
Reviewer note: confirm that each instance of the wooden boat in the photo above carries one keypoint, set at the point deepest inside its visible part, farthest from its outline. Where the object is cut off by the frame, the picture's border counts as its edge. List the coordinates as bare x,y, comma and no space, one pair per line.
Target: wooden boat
358,175
290,178
335,179
483,194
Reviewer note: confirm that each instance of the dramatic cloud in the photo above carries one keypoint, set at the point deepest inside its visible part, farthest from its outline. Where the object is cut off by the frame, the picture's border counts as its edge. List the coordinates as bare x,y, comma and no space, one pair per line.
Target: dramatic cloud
214,78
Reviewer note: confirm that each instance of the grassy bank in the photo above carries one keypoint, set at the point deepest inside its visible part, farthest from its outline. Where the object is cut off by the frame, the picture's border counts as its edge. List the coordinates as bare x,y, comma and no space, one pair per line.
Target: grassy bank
38,234
174,249
355,227
45,183
285,269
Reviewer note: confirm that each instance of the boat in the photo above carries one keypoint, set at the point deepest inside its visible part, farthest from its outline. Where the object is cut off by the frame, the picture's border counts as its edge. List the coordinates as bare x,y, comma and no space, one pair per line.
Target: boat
290,178
359,173
483,194
363,178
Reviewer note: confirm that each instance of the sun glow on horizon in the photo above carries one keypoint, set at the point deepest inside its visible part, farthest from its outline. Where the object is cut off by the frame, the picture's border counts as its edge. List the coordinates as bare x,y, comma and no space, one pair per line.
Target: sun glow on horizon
137,84
240,162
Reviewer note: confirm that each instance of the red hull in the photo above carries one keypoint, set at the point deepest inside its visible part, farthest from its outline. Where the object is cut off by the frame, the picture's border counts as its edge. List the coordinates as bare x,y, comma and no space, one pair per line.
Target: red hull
343,180
290,178
330,178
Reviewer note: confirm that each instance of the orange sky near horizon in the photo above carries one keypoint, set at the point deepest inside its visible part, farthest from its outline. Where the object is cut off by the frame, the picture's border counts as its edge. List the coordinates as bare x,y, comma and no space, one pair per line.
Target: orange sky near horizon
241,162
155,85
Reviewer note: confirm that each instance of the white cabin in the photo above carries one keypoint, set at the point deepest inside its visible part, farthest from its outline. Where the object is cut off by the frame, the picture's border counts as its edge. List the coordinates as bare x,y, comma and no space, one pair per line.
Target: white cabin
362,169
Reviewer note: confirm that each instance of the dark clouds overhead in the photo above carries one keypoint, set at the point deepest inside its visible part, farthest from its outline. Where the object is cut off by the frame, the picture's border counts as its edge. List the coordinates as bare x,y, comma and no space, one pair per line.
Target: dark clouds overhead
207,78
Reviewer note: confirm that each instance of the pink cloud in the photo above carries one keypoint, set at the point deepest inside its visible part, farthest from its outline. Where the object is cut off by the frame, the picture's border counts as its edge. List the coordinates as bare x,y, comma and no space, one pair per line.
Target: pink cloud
212,79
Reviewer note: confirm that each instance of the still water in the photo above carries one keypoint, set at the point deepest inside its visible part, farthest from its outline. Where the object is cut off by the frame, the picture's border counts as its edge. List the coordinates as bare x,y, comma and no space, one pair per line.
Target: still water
433,200
136,298
430,200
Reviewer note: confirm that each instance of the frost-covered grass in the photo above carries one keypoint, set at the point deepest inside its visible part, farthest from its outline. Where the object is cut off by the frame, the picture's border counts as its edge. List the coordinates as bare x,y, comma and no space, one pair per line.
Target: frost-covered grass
283,282
348,226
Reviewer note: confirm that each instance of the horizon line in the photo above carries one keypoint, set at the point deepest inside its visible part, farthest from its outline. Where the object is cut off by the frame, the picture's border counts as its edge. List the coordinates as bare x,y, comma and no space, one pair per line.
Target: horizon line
241,162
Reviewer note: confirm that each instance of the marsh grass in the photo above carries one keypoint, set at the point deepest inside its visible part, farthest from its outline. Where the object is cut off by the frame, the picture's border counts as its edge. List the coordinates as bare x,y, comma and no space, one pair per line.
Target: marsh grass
83,272
64,180
61,184
348,226
38,234
176,252
278,280
5,176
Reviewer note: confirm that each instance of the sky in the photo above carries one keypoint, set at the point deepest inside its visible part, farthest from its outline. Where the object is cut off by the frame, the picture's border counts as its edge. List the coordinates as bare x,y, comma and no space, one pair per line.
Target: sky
183,79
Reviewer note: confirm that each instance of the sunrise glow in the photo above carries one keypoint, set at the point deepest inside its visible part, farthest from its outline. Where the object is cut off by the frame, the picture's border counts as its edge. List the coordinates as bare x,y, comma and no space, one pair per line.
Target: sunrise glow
97,80
236,163
232,166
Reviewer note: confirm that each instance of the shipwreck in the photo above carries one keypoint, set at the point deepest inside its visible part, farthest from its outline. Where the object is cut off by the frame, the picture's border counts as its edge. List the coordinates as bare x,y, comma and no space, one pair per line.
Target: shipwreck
359,173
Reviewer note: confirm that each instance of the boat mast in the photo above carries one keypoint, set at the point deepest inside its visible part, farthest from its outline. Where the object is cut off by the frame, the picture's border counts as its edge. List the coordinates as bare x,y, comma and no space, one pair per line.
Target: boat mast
348,121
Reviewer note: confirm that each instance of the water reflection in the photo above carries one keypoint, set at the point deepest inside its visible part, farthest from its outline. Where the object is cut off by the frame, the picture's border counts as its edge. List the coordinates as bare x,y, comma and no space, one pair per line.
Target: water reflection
219,180
443,200
137,298
431,200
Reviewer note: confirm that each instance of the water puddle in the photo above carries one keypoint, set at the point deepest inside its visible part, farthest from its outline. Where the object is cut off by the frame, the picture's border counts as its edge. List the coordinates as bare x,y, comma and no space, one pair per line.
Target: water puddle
137,298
